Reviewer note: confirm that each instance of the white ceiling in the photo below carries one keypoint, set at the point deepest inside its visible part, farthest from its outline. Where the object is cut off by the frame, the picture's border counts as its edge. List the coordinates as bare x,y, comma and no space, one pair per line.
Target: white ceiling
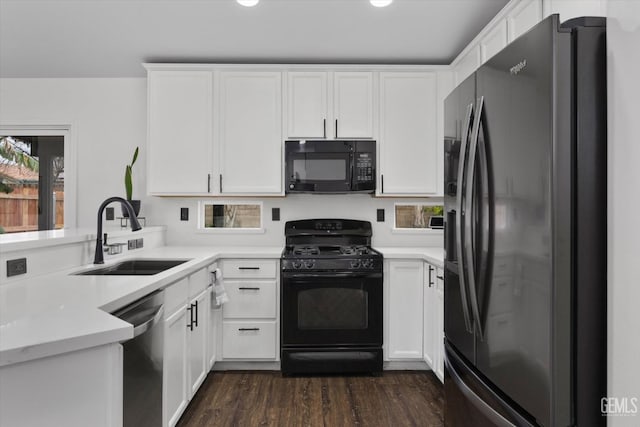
111,38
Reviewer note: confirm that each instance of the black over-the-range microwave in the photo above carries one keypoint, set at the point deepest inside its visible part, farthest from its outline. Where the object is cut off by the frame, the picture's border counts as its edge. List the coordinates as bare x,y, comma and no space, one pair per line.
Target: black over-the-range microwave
330,166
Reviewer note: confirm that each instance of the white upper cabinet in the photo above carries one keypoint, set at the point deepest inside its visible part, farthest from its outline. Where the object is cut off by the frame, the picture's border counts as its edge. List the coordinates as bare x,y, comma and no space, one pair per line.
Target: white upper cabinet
494,41
307,104
250,159
408,133
524,16
467,64
353,104
180,114
330,105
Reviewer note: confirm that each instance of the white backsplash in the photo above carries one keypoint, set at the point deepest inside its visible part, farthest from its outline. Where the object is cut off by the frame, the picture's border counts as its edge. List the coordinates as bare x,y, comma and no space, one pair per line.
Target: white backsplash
166,211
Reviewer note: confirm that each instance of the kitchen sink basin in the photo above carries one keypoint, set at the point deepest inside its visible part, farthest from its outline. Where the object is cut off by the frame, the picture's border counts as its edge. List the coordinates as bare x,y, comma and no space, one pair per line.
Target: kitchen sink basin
135,267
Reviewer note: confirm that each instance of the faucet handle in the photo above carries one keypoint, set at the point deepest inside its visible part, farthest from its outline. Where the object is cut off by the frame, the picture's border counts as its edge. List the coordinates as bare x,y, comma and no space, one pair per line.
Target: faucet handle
104,238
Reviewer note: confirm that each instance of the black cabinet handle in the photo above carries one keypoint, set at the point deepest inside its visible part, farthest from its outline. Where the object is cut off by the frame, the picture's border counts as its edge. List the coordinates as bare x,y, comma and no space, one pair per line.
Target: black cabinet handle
248,329
190,310
208,183
244,288
382,183
440,277
196,322
336,128
220,183
430,279
324,128
248,268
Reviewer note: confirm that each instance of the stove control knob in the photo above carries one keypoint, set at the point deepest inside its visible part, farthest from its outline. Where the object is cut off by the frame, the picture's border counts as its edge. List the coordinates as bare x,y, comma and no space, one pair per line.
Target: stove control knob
366,263
297,265
309,264
355,264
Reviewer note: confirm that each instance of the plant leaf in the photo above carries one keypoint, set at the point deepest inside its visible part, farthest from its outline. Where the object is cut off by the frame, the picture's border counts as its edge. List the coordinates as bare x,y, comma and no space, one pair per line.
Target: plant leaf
128,185
135,156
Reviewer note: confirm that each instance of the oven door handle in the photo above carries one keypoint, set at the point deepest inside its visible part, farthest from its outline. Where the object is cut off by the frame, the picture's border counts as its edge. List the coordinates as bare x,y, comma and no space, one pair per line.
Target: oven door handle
309,275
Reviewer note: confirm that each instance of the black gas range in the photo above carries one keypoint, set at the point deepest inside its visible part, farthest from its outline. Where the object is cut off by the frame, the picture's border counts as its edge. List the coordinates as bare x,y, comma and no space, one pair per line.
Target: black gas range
331,298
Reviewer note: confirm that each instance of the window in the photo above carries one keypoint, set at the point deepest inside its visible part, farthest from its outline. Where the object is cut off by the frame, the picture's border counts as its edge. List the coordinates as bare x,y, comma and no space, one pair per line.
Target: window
230,216
418,216
32,195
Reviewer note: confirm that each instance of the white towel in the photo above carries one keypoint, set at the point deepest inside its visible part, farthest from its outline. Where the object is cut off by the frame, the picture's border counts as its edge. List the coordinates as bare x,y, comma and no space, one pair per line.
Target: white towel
221,292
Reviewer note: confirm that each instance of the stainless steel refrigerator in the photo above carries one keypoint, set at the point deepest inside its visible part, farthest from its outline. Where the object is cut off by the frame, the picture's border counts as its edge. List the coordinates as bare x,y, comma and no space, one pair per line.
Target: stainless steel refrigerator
525,233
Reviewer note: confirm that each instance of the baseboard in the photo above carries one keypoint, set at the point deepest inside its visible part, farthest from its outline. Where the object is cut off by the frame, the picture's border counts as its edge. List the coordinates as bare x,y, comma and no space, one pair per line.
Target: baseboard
275,366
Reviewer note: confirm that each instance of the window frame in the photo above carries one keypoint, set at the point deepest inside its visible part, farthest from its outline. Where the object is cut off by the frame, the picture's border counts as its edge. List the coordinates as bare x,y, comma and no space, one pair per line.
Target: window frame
70,162
231,230
426,230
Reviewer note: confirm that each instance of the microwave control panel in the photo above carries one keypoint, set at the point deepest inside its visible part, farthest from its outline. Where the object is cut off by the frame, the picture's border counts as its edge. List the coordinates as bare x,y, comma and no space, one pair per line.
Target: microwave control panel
364,167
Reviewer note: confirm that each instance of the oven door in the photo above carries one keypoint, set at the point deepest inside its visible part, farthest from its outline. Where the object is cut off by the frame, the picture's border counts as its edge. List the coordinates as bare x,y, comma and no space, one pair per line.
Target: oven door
331,309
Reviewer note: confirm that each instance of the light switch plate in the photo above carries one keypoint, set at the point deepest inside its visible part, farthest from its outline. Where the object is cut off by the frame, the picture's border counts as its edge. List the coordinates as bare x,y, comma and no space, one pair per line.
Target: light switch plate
184,214
110,214
380,215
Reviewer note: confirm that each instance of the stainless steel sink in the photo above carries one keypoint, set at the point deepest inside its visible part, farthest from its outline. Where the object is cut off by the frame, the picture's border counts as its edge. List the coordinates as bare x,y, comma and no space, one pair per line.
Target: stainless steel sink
134,267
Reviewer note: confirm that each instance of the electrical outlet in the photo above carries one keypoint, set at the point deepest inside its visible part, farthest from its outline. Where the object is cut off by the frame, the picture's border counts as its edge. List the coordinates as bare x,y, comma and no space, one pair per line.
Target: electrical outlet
380,215
139,243
131,244
110,214
184,214
275,214
15,267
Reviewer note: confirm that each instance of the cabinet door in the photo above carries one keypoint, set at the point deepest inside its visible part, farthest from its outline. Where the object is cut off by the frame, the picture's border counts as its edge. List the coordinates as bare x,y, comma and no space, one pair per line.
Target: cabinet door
405,309
524,16
467,64
180,132
353,105
494,41
408,133
439,323
250,133
197,339
215,319
175,367
307,104
429,316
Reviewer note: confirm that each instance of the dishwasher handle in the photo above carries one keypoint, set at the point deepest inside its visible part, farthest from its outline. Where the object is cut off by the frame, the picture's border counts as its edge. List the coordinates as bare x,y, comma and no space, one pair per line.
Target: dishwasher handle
143,320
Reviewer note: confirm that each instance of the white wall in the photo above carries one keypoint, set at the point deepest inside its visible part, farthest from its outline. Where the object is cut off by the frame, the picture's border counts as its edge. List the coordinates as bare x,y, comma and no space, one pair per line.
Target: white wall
623,58
108,120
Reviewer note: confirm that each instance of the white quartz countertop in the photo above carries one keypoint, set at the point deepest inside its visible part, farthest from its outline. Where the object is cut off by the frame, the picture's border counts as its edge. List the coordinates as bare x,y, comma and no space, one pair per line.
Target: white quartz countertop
61,312
431,255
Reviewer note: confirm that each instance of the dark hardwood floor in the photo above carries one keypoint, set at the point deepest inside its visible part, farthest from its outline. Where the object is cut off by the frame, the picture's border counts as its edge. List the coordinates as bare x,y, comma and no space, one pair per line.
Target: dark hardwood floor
265,398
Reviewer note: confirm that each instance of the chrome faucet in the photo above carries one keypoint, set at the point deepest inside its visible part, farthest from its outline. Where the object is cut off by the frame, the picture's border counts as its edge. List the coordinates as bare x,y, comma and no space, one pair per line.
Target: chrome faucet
135,225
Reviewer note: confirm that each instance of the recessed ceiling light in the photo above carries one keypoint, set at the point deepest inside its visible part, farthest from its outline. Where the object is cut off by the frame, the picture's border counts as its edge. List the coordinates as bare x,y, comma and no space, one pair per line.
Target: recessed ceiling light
380,3
248,3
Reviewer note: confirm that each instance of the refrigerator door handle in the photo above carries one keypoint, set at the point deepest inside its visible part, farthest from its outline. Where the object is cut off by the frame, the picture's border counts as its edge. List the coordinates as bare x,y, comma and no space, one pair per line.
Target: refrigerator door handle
459,230
496,418
468,220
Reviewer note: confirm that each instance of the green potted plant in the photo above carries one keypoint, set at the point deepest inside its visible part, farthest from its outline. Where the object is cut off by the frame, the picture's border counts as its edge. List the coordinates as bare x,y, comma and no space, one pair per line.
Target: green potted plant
128,186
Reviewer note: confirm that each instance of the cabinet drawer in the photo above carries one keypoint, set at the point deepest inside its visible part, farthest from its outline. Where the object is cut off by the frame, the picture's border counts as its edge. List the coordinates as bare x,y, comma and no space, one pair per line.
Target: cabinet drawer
249,268
175,296
248,340
250,299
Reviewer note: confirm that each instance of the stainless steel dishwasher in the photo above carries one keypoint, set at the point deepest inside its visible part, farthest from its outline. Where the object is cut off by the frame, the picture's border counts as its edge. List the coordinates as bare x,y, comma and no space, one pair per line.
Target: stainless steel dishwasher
143,361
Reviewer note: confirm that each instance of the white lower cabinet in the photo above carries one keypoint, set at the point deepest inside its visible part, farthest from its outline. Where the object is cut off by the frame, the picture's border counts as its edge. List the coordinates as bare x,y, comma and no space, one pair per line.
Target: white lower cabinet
175,367
439,325
250,319
197,341
405,320
249,340
429,307
185,343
